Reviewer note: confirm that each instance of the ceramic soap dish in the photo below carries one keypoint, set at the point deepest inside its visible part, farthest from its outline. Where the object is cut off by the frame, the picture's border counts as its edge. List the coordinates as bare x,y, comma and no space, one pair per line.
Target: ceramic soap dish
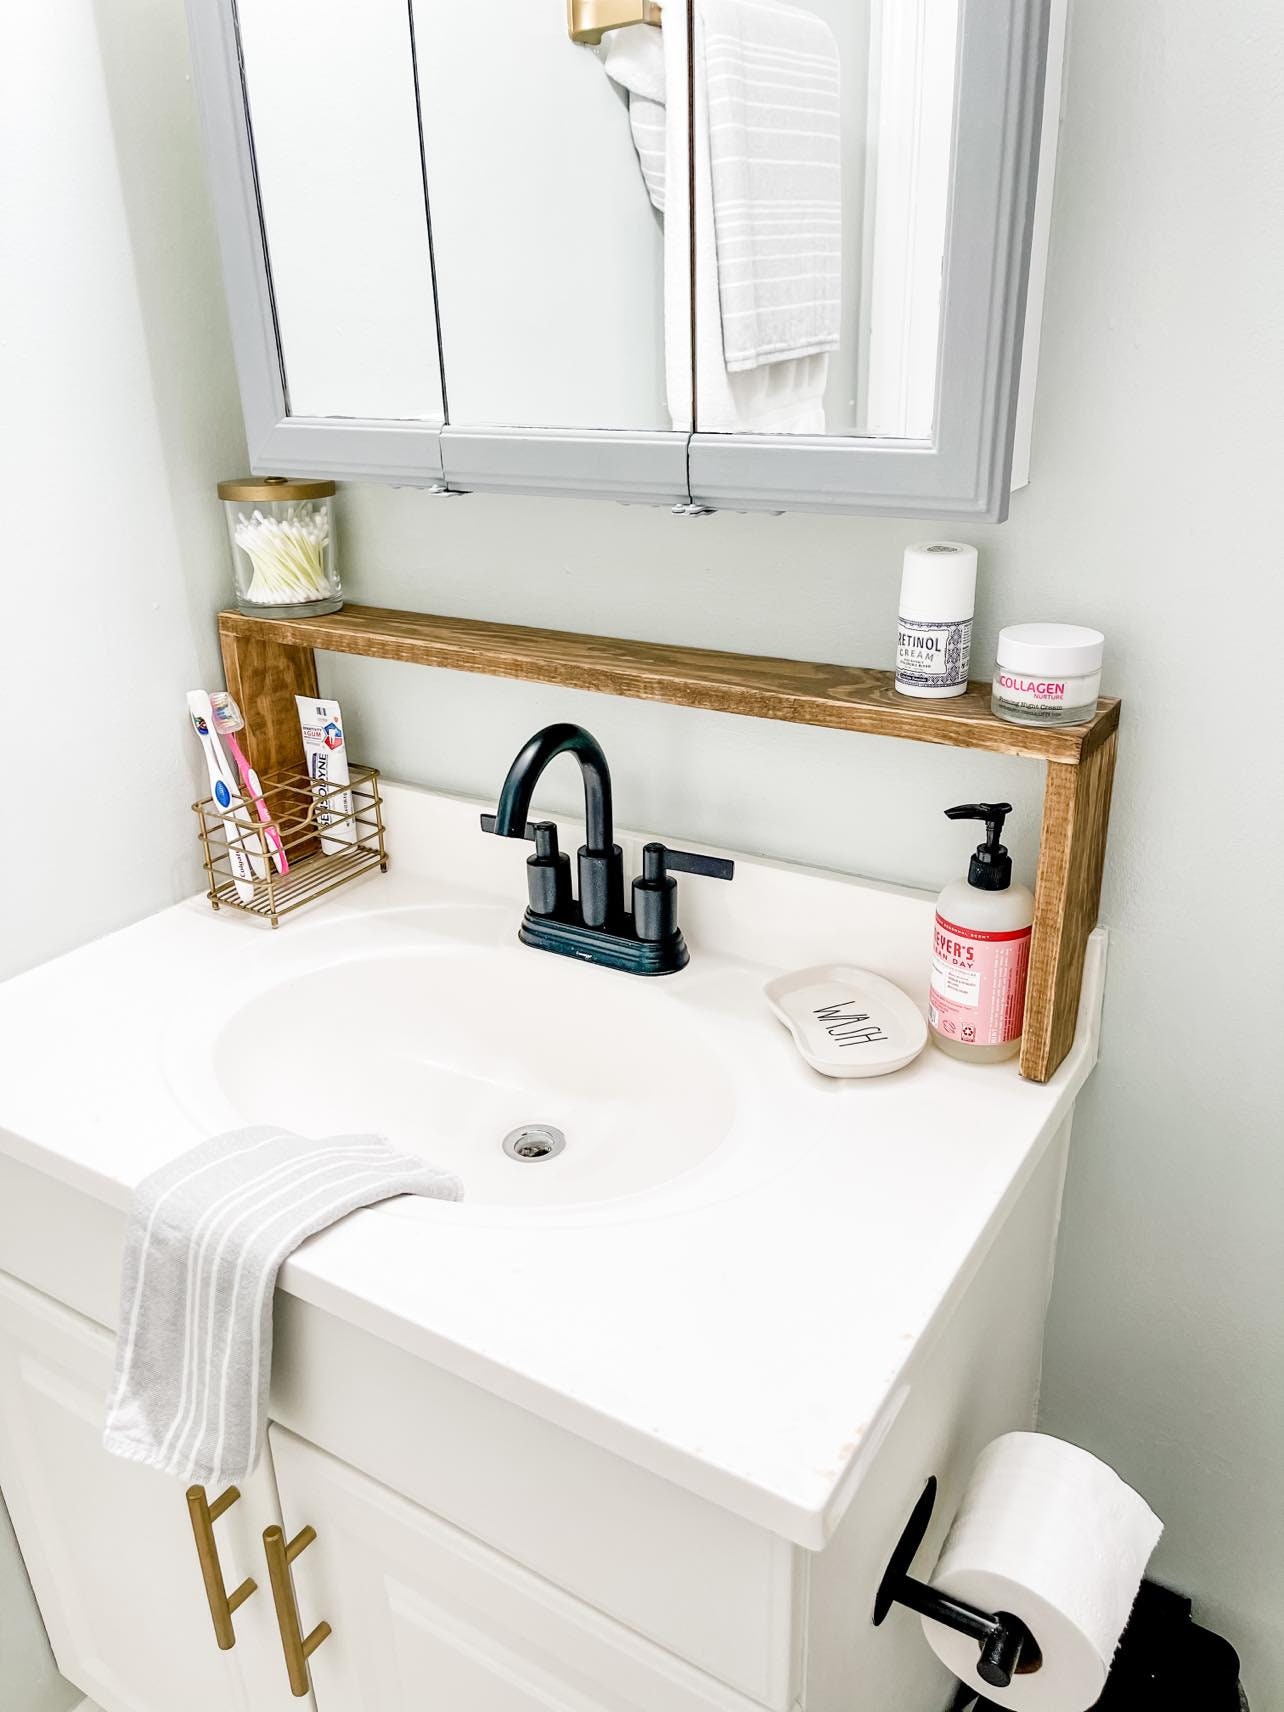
848,1021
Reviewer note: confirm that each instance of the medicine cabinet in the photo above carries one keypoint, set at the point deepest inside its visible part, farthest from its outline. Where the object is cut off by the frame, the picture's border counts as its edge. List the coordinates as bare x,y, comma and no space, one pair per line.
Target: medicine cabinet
705,253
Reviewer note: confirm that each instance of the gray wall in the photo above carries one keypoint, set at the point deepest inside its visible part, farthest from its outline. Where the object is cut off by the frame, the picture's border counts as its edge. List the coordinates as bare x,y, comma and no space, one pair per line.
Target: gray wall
1153,513
29,1680
120,413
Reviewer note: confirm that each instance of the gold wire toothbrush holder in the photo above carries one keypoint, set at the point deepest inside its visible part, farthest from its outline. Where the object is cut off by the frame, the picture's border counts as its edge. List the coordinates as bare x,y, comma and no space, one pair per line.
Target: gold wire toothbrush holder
331,834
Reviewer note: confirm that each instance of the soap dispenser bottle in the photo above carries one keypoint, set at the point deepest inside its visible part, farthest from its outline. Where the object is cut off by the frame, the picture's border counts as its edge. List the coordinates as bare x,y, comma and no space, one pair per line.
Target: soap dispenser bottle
981,950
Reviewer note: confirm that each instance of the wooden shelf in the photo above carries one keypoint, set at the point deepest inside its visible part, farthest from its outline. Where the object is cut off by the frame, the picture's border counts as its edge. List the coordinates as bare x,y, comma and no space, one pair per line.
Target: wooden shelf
270,661
843,698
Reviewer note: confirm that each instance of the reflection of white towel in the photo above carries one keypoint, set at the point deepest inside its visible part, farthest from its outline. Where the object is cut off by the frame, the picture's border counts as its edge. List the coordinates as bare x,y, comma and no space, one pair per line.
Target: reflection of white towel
770,79
634,58
648,63
776,396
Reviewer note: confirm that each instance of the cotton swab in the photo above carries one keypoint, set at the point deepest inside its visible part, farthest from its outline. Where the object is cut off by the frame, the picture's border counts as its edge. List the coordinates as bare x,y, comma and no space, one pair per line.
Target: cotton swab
288,555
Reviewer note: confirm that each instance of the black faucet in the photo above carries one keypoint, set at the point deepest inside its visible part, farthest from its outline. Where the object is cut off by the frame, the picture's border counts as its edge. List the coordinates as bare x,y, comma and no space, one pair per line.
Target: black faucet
601,861
597,927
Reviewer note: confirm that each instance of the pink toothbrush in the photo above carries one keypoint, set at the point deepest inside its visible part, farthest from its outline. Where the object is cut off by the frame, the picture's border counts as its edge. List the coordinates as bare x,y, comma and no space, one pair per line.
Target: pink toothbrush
227,722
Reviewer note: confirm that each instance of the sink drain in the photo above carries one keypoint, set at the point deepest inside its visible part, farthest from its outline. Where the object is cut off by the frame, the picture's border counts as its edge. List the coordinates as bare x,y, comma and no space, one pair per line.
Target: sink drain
534,1141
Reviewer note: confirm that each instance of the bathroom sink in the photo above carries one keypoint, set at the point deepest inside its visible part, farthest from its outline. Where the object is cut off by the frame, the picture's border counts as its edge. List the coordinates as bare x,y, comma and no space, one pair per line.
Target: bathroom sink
437,1030
714,1192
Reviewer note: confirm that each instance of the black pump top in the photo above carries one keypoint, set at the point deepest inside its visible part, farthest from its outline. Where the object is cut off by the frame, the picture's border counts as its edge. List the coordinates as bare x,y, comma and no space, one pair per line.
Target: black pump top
991,868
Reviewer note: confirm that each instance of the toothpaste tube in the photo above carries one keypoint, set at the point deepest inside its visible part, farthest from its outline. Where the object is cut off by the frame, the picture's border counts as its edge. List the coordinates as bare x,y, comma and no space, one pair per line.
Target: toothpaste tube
327,758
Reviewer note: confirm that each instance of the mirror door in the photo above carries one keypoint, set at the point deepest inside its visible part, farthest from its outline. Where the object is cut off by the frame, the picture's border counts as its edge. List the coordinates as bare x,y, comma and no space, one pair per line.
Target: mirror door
550,266
310,112
823,141
330,94
555,276
863,191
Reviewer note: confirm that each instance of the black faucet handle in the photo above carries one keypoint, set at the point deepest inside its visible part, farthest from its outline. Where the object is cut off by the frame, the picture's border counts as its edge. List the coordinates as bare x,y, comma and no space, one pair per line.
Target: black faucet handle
489,823
657,857
548,871
655,891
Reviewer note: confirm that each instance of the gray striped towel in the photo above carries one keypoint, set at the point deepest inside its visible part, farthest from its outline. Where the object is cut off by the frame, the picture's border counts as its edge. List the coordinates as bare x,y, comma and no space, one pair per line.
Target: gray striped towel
771,77
207,1236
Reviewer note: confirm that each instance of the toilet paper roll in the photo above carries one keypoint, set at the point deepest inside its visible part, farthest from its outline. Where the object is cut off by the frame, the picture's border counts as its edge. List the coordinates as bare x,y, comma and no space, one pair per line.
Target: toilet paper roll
1047,1532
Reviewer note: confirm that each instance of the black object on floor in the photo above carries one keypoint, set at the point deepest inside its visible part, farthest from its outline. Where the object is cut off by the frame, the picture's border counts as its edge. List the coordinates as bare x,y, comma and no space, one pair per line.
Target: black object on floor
1164,1661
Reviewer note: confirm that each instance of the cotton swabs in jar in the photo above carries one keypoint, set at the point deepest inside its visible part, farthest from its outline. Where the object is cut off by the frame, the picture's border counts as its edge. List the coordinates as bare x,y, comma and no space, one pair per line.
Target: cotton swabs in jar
288,555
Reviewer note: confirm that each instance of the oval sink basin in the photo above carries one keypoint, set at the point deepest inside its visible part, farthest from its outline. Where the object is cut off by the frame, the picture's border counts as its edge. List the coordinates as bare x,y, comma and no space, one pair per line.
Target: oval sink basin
446,1052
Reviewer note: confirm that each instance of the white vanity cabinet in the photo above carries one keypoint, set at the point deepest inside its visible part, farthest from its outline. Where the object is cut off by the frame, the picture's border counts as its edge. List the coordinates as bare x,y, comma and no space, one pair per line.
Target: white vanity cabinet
468,1554
428,1611
108,1544
416,1605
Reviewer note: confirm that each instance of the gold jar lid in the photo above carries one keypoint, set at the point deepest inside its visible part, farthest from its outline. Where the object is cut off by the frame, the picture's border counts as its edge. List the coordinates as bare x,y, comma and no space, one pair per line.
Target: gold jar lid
257,489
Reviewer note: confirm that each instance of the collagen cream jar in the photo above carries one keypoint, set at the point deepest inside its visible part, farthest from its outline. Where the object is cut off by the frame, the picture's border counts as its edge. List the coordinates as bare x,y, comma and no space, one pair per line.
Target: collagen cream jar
1047,674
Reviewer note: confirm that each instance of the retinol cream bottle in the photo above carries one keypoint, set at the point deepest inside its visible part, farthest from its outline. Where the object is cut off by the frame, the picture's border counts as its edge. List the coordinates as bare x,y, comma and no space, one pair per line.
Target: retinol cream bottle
934,623
981,950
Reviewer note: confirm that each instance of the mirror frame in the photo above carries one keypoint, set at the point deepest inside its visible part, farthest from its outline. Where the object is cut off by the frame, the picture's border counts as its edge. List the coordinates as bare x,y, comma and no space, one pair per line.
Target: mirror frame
964,472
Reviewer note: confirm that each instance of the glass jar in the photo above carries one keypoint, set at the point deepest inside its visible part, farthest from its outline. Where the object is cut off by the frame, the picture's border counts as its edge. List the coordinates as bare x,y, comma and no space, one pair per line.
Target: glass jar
282,541
1047,674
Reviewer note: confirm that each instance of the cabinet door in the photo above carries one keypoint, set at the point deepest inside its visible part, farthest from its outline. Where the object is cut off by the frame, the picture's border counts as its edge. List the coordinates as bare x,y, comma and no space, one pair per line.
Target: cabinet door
108,1543
427,1619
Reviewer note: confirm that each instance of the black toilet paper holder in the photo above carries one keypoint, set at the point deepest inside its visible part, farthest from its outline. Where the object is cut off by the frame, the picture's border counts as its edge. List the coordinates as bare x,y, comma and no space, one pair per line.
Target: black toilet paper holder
1007,1646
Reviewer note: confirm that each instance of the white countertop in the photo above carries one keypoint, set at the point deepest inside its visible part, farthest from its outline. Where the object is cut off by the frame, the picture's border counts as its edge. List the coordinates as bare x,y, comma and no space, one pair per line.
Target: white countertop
743,1336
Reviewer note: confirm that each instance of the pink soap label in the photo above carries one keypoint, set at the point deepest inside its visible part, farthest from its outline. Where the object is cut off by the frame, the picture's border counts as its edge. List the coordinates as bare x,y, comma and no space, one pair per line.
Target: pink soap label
978,983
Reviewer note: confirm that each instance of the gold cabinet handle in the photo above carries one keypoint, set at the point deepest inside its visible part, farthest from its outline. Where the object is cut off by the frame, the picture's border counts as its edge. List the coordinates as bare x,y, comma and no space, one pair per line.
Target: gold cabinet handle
297,1647
221,1602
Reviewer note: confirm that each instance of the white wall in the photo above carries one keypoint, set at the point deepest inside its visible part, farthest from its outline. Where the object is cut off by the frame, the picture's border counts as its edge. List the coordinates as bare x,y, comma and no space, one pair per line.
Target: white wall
119,415
29,1680
1154,513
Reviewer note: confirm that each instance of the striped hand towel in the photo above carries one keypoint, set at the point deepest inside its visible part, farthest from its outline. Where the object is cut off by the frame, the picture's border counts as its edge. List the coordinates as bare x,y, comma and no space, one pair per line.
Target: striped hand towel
770,76
207,1236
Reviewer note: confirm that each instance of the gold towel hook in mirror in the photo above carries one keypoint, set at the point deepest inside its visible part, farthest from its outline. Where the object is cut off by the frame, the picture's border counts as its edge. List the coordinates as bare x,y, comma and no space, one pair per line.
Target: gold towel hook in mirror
589,20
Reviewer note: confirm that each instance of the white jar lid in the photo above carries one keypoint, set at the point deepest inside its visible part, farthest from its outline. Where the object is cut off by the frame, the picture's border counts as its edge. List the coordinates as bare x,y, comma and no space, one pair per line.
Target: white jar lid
1051,650
938,580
